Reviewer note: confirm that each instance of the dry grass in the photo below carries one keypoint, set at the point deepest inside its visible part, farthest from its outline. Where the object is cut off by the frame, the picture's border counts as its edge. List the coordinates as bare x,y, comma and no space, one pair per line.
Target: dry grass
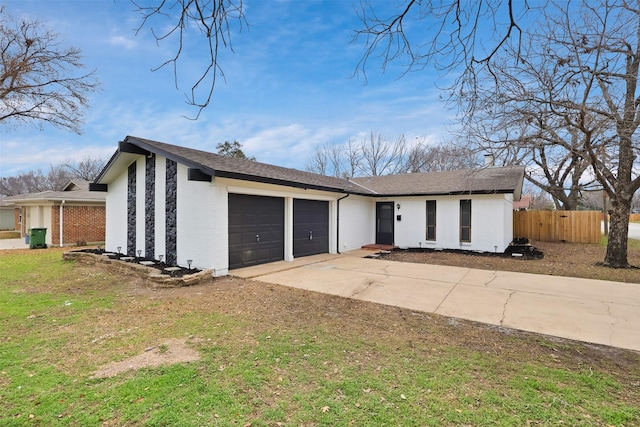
7,234
560,259
270,346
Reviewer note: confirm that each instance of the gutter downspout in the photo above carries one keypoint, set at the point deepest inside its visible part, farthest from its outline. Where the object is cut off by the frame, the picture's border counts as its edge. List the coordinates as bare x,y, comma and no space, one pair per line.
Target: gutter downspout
338,222
61,221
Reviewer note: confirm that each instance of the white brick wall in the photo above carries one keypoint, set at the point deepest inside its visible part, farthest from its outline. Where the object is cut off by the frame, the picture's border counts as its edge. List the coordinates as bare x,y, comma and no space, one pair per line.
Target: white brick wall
116,229
491,222
202,217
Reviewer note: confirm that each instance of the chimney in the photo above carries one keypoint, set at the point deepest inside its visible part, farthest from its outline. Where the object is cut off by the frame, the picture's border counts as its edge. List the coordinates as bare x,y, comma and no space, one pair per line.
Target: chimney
488,160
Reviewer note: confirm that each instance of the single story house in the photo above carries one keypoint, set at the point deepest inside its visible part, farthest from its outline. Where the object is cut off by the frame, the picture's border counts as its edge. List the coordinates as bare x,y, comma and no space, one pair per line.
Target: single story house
75,213
222,213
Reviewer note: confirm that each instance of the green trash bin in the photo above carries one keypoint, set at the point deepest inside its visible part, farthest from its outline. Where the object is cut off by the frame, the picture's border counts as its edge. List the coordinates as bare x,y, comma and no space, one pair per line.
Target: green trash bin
37,238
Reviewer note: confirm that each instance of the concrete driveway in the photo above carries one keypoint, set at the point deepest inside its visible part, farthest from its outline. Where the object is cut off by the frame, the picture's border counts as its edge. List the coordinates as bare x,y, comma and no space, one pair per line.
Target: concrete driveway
13,244
594,311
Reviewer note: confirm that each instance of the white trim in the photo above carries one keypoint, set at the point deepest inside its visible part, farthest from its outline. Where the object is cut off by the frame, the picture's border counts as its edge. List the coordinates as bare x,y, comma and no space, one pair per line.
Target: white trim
288,228
61,219
276,193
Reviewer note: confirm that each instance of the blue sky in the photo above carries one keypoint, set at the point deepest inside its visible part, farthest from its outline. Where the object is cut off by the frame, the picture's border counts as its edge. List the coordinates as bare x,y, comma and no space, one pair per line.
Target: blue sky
288,88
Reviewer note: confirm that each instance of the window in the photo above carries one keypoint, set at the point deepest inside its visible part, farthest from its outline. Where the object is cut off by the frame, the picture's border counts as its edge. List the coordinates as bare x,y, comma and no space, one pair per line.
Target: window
465,220
431,220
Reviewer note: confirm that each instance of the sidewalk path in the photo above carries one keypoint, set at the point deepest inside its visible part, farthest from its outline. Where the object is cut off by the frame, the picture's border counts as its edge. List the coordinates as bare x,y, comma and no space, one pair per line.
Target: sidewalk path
594,311
13,244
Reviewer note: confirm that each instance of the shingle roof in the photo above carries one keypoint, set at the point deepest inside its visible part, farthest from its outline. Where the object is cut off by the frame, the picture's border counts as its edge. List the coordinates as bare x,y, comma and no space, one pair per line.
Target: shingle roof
470,181
219,165
482,181
76,190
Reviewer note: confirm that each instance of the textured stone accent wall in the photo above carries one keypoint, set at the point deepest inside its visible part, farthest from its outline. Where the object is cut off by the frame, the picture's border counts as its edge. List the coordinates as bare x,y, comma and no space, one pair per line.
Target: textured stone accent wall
171,213
80,224
131,210
150,207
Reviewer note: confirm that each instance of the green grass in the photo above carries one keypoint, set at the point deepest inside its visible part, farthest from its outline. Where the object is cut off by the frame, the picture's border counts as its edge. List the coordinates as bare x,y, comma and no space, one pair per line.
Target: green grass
632,243
293,373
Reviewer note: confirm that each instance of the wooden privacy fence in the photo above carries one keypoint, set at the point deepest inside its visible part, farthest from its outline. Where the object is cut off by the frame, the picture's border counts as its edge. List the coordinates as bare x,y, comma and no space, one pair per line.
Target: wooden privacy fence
558,226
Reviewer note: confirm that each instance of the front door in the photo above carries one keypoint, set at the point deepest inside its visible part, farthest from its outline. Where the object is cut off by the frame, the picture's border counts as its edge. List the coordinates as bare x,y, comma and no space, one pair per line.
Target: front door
384,223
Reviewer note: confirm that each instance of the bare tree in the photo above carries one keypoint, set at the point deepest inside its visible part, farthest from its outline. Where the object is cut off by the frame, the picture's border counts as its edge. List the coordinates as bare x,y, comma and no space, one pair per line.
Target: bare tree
55,179
328,159
377,155
319,162
438,157
30,182
34,181
381,156
86,169
571,98
371,156
40,81
353,158
540,200
213,19
450,35
514,132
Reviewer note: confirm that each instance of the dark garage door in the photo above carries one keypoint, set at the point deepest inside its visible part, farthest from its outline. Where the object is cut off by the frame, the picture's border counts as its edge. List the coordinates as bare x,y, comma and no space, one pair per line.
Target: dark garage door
310,227
256,230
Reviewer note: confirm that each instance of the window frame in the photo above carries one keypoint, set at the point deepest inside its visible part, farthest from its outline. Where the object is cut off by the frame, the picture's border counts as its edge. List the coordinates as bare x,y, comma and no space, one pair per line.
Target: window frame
435,220
465,205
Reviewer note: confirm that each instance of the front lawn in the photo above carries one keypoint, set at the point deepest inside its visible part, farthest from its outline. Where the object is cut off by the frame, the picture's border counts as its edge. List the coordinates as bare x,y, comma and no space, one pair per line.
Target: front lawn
276,356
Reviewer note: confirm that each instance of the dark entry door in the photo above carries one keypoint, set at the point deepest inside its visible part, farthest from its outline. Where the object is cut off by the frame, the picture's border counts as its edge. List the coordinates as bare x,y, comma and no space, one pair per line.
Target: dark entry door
384,223
256,230
310,227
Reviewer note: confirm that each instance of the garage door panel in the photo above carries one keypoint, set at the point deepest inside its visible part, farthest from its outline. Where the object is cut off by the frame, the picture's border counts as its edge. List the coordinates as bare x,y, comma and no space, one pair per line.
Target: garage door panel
310,227
252,216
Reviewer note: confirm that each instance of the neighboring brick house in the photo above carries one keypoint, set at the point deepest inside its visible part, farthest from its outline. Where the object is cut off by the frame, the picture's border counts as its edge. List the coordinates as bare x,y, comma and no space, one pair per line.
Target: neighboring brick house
82,212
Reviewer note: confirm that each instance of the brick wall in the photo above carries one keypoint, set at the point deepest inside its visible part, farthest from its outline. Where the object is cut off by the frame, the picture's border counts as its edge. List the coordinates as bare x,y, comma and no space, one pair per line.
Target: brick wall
81,224
16,219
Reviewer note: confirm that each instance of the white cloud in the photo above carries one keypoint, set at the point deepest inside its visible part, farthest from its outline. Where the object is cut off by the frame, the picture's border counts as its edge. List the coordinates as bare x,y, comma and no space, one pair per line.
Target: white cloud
41,153
122,41
286,89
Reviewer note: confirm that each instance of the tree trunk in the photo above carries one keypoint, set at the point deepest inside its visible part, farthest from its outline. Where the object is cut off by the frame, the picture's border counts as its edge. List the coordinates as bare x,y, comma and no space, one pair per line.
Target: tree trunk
616,256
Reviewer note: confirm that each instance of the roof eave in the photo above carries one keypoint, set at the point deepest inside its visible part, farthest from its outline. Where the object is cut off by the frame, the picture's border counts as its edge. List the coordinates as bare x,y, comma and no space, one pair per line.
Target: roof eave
226,174
444,193
57,199
148,148
276,181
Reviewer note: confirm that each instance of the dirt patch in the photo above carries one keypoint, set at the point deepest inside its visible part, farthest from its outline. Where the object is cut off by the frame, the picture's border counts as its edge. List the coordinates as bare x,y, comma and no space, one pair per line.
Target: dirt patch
171,351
